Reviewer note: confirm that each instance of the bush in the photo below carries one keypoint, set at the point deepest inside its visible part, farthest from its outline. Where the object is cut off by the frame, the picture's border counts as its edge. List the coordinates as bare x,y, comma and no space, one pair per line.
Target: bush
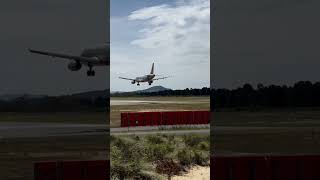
201,158
156,139
193,140
159,151
147,175
204,146
185,157
123,170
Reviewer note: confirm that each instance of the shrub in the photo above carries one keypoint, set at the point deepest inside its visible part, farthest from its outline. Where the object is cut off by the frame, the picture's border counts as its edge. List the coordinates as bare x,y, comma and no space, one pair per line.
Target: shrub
201,158
185,157
159,151
193,140
204,146
156,139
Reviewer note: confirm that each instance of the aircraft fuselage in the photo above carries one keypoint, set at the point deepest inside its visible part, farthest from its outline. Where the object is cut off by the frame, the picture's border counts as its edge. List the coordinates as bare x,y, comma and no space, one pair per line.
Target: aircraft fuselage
146,78
101,55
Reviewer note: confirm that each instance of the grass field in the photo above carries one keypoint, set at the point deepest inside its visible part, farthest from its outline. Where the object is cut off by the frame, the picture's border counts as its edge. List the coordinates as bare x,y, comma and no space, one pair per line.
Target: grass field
275,118
59,117
279,132
18,155
176,103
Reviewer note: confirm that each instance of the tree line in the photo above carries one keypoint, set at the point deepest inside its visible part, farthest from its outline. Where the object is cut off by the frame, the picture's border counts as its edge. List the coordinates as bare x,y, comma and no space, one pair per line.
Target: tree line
301,94
55,104
205,91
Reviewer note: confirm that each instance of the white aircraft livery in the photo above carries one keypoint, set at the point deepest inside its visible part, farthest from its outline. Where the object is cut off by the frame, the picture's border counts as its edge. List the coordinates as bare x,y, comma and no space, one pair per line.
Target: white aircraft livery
146,78
90,57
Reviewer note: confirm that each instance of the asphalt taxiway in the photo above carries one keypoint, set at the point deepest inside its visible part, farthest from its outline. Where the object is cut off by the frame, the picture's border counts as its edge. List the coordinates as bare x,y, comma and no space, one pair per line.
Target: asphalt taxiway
46,129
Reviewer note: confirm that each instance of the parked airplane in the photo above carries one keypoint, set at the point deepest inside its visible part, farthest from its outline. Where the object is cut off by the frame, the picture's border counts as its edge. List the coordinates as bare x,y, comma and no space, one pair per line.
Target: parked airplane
146,78
90,57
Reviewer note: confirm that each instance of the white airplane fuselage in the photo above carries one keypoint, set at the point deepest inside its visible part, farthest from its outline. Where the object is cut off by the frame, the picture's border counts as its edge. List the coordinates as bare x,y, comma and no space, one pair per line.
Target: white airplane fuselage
145,78
101,55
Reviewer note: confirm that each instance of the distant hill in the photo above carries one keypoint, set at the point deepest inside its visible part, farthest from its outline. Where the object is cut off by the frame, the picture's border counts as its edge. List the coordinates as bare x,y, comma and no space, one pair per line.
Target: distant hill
83,95
148,90
91,94
11,97
96,101
153,89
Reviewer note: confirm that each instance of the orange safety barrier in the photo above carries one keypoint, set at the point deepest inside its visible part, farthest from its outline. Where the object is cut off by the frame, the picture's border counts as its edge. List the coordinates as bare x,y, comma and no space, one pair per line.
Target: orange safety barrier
265,167
164,118
69,170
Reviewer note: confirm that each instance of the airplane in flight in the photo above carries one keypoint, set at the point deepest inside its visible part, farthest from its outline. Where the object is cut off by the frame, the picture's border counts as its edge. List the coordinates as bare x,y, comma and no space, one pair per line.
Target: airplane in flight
99,56
146,78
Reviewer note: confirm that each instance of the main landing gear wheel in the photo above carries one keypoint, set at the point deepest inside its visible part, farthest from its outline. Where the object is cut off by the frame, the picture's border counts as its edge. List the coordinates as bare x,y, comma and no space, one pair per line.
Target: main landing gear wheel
138,84
150,84
91,73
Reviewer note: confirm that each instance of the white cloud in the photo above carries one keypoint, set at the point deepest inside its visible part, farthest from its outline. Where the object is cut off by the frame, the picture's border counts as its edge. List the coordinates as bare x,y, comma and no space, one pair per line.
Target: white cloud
171,26
177,36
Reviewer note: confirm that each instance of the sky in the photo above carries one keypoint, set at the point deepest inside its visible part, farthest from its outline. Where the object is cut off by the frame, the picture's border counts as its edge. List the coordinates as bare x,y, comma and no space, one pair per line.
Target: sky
64,26
174,34
265,41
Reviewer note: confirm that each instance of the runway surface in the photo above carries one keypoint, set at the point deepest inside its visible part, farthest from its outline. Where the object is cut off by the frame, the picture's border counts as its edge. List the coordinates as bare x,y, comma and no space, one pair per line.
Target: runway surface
142,102
35,129
175,132
144,130
261,130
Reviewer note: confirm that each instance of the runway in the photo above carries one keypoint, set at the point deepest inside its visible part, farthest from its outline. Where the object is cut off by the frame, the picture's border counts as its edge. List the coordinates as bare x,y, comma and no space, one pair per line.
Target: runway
35,129
226,130
172,132
146,130
143,102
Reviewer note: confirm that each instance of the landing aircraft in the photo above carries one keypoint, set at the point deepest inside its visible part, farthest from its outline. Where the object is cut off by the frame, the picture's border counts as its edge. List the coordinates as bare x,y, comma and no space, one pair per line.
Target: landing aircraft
146,78
90,57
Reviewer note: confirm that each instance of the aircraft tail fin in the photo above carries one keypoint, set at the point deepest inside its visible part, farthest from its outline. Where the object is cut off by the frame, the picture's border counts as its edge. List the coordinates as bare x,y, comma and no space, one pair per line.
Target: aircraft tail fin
152,68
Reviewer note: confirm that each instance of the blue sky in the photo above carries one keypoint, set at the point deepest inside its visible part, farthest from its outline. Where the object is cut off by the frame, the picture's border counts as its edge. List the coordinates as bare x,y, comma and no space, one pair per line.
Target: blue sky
175,35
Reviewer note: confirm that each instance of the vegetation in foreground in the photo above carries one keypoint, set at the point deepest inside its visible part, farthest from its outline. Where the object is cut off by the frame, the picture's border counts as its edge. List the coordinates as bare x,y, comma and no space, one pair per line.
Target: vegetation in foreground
157,156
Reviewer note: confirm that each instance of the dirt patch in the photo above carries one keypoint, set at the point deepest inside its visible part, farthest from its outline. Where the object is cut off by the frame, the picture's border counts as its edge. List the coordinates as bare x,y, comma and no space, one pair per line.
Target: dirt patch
195,173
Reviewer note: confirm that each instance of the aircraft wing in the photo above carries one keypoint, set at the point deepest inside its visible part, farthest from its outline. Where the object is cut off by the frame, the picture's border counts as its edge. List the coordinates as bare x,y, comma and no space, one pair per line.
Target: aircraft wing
81,59
161,78
127,78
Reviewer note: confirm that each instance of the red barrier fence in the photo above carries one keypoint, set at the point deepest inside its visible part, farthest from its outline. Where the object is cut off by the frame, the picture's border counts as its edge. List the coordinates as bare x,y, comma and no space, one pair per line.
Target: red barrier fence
69,170
265,168
164,118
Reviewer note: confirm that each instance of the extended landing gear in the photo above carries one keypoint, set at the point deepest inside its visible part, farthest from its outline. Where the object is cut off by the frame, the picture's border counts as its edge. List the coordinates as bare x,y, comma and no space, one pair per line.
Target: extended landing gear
150,84
138,84
90,72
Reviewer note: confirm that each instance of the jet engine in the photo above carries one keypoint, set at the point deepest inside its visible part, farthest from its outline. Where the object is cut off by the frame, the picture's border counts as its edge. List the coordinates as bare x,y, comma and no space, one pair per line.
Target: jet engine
74,66
132,82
